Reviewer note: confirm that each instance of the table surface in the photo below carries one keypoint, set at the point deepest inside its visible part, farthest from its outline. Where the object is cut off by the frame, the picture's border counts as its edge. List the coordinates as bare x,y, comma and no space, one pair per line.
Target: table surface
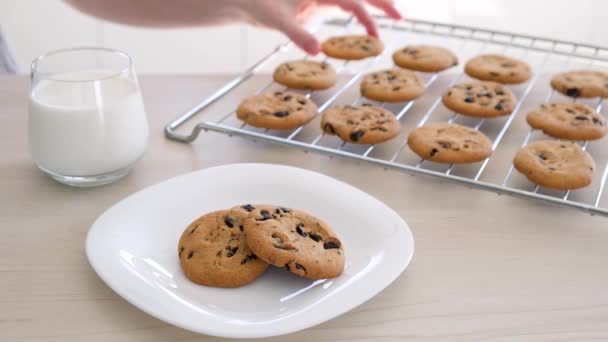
486,267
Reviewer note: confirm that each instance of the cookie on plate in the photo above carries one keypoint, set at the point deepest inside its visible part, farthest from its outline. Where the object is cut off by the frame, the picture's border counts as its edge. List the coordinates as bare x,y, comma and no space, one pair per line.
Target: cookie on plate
213,251
425,58
276,110
555,165
581,83
364,124
568,120
498,68
394,85
304,74
449,143
300,242
480,99
352,47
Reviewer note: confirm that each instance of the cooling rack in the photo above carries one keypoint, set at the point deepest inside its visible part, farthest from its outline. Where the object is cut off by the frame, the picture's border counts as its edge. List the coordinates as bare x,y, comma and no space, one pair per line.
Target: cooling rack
497,174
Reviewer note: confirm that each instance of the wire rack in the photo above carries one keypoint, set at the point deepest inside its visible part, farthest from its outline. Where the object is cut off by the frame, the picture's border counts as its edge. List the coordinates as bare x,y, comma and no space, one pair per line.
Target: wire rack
546,56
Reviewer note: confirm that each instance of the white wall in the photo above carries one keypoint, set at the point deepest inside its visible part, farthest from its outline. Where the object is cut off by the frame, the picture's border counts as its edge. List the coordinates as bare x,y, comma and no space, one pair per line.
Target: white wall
33,27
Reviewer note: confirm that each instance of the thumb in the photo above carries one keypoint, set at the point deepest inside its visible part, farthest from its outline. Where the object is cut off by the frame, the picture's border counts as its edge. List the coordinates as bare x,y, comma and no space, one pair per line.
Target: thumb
299,36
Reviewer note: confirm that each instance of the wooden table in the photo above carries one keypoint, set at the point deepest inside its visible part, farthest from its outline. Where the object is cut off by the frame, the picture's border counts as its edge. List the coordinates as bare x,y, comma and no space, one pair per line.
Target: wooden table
486,267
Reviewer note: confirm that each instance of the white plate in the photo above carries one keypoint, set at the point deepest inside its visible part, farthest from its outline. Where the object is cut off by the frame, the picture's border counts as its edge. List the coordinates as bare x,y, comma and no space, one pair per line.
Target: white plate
132,247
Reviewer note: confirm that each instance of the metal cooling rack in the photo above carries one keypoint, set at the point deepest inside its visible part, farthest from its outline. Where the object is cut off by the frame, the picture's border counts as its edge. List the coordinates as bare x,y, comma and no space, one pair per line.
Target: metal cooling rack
547,57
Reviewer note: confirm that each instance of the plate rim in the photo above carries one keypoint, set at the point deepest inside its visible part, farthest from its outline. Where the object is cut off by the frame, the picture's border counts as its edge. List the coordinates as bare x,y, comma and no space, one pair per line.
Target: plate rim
205,330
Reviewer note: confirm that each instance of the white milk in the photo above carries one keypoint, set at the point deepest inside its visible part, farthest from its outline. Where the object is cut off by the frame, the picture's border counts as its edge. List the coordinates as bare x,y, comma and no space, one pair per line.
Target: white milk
86,128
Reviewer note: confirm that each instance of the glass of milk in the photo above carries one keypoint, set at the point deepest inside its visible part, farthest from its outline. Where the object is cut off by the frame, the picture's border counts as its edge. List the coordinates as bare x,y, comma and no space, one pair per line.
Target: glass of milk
87,123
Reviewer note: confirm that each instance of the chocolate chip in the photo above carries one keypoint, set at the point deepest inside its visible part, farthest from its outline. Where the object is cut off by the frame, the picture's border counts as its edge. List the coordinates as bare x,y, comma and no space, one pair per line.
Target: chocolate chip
365,48
190,255
331,245
287,98
366,105
241,227
449,93
434,151
469,100
300,267
396,88
381,129
315,237
229,221
181,249
499,107
248,207
391,77
445,144
193,230
581,117
265,215
324,66
278,93
598,121
329,128
356,135
231,251
573,92
300,231
494,74
287,266
570,111
281,114
499,92
302,102
542,157
248,258
285,210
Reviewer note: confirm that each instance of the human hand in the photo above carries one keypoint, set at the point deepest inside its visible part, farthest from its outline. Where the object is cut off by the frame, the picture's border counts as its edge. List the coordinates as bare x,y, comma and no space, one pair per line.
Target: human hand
287,15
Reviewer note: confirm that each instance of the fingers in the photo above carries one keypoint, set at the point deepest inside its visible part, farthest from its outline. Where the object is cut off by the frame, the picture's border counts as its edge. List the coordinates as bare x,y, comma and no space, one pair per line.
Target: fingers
357,8
303,39
387,6
298,35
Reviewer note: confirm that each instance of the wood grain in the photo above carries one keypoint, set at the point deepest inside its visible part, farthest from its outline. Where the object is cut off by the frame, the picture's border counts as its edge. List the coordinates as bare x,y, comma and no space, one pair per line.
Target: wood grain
486,267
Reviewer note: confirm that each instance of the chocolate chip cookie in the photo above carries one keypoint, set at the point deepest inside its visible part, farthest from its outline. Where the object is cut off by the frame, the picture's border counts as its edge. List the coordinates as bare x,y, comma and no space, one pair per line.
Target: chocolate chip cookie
582,83
498,68
213,251
302,243
395,85
425,58
480,99
555,165
449,143
277,110
352,47
364,124
568,120
310,75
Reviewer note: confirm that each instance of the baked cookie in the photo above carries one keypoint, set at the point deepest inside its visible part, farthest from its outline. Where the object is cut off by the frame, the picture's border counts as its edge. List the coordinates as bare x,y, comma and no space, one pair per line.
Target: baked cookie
302,243
395,85
480,99
364,124
498,68
581,83
425,58
568,120
311,75
213,251
449,143
352,47
555,165
278,110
